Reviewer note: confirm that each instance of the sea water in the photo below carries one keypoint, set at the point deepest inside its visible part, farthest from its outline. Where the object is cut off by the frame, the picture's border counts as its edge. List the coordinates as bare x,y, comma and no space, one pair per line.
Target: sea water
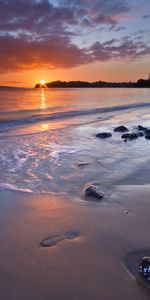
48,139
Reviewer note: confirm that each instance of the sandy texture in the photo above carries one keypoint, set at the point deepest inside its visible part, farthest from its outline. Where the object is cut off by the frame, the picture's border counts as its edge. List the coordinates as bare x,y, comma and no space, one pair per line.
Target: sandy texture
91,266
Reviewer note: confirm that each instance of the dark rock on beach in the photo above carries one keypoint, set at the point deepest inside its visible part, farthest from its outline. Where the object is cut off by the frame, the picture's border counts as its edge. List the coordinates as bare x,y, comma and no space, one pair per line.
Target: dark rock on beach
147,131
144,268
141,128
121,129
140,133
104,135
94,193
84,163
147,136
130,136
138,263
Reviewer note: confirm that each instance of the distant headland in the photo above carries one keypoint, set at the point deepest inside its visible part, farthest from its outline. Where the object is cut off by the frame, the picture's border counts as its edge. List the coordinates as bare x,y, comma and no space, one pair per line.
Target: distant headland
141,83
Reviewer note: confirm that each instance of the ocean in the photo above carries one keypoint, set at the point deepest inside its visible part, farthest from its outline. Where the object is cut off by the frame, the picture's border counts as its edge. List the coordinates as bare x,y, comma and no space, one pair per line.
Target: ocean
48,139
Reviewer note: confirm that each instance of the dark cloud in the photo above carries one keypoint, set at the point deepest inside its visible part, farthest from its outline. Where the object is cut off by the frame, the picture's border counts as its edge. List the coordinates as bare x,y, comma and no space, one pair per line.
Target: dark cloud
45,17
39,33
146,17
15,81
120,28
108,12
35,17
110,42
21,54
127,49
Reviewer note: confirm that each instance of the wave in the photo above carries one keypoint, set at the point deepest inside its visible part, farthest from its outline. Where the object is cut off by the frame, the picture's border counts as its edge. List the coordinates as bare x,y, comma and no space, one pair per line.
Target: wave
28,111
13,187
5,125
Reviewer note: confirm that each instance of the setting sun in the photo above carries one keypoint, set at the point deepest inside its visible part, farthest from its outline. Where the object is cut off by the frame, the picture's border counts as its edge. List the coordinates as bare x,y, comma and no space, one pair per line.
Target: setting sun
42,82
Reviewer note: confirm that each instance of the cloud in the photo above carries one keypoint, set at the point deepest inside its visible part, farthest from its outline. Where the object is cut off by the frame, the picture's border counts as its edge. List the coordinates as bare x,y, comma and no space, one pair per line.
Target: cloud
15,81
99,12
20,54
146,17
38,34
127,49
45,17
61,53
34,17
120,28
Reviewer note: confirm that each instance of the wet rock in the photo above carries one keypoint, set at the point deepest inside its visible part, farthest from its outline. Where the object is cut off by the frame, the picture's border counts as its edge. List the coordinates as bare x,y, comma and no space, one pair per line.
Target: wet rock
147,136
129,136
94,193
140,133
144,268
141,128
104,135
138,265
126,211
121,129
147,131
84,163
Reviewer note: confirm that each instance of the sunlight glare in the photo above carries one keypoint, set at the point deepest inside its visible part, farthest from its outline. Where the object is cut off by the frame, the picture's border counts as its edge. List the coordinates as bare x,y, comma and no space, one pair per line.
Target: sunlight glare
43,100
42,82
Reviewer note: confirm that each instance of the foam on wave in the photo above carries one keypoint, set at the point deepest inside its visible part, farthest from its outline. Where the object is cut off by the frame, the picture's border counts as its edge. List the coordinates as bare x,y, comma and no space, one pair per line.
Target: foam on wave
67,114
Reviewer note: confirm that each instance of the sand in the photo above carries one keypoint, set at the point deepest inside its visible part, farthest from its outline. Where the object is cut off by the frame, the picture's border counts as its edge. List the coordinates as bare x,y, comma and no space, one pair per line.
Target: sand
91,266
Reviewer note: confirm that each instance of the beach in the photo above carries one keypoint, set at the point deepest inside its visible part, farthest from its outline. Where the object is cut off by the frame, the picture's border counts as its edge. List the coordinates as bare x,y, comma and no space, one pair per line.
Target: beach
91,266
47,159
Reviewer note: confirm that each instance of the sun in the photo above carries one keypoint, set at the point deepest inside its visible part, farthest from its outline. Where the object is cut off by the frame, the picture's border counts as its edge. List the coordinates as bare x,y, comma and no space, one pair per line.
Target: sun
42,82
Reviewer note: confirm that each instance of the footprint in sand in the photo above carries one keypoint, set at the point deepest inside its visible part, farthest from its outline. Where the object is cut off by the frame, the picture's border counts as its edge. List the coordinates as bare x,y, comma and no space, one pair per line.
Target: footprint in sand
53,240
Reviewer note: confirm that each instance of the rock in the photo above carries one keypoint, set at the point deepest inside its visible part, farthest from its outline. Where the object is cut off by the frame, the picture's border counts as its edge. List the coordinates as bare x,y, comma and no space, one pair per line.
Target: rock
144,268
104,135
147,136
141,128
147,131
140,133
93,192
129,136
84,163
121,129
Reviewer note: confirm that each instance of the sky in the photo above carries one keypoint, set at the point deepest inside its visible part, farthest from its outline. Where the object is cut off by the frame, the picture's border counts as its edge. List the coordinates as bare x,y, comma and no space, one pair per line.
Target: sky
73,40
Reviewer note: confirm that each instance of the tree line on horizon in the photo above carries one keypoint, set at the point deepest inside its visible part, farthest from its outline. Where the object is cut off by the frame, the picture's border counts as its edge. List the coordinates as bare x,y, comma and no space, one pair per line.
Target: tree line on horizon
141,83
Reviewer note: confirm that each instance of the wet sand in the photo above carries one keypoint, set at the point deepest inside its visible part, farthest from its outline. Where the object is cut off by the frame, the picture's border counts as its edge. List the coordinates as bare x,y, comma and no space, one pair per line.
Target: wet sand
91,265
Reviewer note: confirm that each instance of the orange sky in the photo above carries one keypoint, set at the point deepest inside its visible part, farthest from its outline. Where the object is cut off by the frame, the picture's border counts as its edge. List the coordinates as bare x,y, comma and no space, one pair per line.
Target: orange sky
107,71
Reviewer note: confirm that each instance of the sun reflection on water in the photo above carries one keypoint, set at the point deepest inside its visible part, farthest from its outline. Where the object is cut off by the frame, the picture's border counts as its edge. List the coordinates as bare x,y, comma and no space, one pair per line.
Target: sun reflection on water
43,99
44,126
